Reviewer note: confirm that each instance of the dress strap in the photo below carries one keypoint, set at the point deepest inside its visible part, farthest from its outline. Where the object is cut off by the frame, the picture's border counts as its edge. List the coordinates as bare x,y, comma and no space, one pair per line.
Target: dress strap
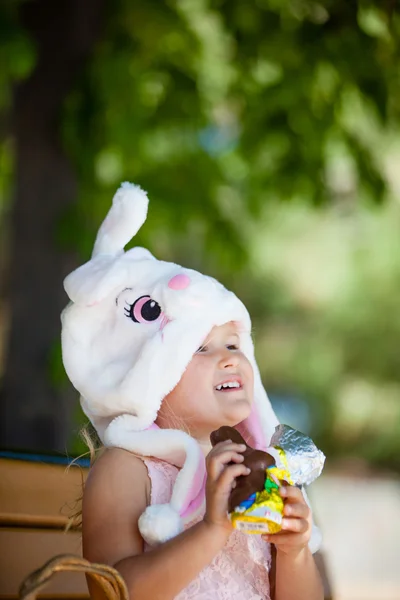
162,477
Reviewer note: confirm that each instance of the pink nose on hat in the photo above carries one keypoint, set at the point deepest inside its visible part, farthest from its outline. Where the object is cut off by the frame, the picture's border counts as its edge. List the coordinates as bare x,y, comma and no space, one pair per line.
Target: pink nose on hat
179,282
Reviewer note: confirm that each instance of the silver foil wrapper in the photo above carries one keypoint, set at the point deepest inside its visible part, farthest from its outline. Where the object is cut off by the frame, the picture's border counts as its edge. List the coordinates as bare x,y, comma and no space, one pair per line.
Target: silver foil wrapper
305,460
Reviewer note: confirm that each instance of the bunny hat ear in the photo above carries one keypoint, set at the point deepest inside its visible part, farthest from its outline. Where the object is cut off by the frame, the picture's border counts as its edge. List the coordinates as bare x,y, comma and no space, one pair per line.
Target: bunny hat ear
128,335
123,221
93,281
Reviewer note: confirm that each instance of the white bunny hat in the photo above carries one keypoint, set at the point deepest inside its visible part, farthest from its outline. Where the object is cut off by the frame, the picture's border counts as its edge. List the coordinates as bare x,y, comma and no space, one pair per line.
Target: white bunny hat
128,334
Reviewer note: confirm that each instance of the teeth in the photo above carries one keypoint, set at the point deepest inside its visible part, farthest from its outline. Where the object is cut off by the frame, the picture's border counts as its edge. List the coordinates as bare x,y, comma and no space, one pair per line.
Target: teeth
228,384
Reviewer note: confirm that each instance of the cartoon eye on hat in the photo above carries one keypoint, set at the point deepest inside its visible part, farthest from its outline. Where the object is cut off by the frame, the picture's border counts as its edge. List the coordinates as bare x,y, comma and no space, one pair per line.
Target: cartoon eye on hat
143,310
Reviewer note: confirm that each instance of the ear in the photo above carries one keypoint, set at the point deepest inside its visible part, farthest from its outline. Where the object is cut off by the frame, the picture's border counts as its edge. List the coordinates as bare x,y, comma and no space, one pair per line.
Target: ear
226,433
124,219
139,253
94,280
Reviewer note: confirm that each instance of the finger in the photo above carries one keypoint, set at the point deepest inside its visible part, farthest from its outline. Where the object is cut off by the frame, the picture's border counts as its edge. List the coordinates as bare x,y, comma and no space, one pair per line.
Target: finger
224,443
218,447
295,525
226,457
218,462
228,445
296,509
291,493
216,452
230,474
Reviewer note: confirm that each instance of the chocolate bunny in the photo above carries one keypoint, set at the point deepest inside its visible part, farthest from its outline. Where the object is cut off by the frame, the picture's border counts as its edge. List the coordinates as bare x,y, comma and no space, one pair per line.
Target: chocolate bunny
257,460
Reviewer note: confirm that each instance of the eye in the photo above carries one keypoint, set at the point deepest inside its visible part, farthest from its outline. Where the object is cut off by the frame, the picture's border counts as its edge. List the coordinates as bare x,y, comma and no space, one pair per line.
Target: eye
143,310
233,347
201,349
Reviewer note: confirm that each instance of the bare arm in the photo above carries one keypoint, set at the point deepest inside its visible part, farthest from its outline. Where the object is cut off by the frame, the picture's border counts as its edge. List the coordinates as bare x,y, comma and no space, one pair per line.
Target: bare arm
296,573
321,567
116,494
165,571
297,577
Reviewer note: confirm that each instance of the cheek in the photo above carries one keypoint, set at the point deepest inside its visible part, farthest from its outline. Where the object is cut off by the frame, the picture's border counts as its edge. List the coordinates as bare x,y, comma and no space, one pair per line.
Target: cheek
200,369
191,389
248,372
197,377
198,386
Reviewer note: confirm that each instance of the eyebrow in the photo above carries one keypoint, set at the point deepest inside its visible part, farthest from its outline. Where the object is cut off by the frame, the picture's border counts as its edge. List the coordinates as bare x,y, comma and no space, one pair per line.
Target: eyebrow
233,335
124,290
210,338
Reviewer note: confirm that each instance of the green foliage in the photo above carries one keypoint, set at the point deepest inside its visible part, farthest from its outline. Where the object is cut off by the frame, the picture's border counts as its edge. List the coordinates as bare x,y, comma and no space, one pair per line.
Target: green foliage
335,339
217,108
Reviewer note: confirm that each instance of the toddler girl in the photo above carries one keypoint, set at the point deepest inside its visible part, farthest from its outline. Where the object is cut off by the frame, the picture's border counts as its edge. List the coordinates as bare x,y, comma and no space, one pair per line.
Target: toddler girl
162,356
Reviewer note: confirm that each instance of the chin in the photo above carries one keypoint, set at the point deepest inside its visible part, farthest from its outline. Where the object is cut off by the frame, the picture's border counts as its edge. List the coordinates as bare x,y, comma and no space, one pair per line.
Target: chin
238,412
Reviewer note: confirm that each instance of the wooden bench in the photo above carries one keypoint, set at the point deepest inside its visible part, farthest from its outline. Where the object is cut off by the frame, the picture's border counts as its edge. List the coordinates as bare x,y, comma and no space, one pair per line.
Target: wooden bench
35,500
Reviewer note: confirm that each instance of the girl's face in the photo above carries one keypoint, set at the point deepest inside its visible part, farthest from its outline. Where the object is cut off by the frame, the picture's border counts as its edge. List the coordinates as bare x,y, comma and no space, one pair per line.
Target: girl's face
216,388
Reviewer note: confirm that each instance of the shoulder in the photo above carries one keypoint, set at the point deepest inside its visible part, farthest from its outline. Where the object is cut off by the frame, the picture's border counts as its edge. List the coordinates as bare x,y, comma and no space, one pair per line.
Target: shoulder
115,464
117,469
116,493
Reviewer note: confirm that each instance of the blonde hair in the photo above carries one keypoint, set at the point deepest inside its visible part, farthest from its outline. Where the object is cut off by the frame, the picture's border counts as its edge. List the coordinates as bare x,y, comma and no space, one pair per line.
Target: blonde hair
95,448
174,421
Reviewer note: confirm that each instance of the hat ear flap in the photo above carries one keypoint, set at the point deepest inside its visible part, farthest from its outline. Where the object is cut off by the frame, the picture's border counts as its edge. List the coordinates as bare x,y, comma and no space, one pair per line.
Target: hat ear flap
161,522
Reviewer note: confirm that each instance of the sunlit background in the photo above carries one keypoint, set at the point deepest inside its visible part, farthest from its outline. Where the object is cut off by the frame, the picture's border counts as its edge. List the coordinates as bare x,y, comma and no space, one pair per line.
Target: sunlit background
267,134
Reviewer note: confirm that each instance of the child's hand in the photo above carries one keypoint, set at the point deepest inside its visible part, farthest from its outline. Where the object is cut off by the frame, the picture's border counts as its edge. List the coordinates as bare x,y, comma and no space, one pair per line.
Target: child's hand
221,480
296,524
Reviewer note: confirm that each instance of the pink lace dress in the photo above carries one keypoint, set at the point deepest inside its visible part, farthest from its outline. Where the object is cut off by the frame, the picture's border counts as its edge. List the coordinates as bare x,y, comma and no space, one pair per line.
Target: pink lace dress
238,572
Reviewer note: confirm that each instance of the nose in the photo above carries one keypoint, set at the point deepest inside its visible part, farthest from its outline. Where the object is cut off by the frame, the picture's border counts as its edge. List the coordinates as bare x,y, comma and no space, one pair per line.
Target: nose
179,282
228,360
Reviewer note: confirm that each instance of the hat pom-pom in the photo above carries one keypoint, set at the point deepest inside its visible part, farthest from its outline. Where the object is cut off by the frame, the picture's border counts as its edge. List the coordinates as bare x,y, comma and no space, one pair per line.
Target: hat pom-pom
159,523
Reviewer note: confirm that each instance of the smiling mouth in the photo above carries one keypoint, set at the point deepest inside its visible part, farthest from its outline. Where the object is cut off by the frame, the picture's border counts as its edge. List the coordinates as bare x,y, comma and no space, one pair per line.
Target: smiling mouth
229,386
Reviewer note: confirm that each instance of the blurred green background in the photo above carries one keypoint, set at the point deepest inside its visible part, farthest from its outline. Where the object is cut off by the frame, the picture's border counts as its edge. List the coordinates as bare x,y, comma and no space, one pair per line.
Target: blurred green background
267,134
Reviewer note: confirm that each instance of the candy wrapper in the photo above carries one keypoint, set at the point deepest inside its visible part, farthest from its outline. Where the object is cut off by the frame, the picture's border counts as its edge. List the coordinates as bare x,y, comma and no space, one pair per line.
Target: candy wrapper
262,511
295,461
